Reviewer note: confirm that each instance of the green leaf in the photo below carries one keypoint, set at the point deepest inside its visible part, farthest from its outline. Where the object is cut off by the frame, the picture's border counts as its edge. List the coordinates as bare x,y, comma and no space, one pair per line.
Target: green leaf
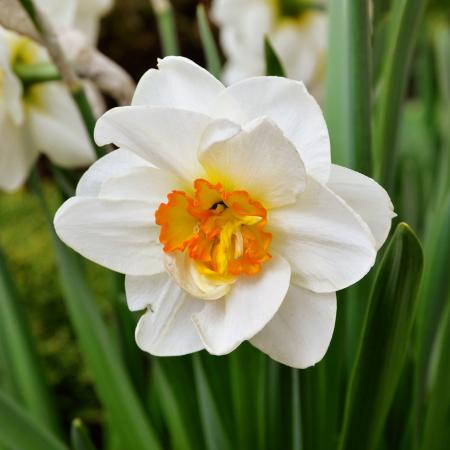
208,43
247,391
406,18
385,341
166,26
337,88
19,430
112,383
273,63
23,363
178,404
436,429
213,427
296,412
79,436
349,84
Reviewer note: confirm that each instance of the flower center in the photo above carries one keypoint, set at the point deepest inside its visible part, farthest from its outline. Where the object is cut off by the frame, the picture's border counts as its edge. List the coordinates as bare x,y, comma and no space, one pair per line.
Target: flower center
223,232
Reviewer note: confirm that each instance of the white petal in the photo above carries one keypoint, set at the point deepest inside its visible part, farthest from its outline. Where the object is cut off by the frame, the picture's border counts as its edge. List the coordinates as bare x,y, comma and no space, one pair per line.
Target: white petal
289,105
115,164
11,89
178,83
184,271
57,129
300,332
252,302
166,329
328,246
120,235
148,184
17,154
168,138
259,160
366,197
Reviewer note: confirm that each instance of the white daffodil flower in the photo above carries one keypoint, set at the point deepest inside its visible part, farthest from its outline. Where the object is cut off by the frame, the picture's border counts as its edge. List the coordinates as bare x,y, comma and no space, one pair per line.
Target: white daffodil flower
37,118
88,14
224,211
41,117
297,30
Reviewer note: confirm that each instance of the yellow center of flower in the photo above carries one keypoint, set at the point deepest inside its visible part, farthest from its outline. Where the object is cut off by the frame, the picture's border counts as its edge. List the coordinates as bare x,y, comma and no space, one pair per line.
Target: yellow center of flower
223,232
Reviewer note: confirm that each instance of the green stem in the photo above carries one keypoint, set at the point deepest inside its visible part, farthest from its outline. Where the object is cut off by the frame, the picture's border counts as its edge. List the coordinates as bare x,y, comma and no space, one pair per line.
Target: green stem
36,73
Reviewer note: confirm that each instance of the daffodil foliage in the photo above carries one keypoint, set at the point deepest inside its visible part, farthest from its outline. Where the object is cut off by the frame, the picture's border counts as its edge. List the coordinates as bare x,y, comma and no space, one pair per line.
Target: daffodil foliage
276,237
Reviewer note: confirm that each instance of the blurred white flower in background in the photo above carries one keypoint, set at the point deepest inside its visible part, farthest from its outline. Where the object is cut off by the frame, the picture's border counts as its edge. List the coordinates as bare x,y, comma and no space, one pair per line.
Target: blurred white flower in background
224,211
88,14
42,117
296,29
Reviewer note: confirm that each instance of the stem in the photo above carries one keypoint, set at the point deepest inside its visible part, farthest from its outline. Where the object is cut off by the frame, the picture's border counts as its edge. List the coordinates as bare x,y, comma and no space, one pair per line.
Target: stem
36,73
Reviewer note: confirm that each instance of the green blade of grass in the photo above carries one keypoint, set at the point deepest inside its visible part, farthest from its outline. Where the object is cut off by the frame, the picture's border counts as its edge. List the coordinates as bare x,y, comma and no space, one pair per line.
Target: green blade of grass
274,67
406,17
23,363
208,43
213,427
112,383
385,340
79,436
19,430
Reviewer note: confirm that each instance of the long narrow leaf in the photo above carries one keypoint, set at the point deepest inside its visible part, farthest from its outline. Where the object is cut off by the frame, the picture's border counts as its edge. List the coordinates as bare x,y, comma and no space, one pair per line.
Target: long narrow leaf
209,45
436,430
337,88
274,67
213,428
112,383
19,430
403,29
166,26
360,71
23,364
178,408
385,340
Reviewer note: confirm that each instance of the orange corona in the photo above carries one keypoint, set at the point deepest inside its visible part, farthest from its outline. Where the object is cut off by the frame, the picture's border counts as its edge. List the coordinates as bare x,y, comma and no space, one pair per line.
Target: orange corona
223,232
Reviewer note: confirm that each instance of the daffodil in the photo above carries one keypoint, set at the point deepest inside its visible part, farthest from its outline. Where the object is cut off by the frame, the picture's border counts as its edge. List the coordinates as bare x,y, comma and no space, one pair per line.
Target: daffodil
224,211
35,118
41,117
297,30
88,14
